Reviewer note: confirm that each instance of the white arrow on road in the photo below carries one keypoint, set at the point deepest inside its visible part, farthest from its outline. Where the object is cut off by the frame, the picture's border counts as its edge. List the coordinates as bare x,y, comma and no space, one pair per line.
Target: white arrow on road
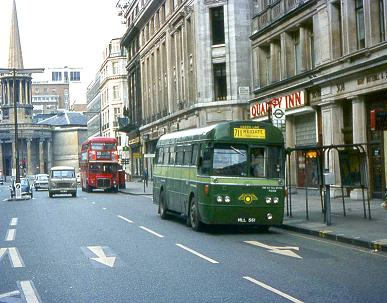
14,256
282,250
101,256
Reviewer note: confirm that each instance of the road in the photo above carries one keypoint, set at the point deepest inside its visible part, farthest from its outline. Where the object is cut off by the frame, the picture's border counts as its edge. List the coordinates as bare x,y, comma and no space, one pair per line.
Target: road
106,247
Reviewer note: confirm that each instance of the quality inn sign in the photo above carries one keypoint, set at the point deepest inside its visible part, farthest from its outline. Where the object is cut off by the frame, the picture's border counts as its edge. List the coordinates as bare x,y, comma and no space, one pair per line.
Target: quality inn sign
291,101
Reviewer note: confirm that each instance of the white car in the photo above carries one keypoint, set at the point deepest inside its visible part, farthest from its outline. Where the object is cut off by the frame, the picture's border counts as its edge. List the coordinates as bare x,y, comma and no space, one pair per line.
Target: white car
41,181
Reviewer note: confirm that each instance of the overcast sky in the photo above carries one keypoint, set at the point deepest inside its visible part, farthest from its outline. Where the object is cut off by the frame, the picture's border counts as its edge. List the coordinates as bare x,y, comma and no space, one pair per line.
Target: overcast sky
58,33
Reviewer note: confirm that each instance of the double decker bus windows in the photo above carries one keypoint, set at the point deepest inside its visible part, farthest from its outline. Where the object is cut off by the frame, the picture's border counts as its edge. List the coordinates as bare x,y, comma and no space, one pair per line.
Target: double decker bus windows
230,160
103,146
103,168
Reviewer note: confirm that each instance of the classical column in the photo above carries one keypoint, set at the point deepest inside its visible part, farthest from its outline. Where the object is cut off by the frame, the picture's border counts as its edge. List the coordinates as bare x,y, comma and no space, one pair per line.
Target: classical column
359,126
30,167
332,124
49,154
41,156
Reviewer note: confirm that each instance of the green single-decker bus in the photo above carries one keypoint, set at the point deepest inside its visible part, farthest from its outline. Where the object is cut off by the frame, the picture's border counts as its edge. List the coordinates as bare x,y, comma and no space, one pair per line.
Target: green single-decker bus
230,173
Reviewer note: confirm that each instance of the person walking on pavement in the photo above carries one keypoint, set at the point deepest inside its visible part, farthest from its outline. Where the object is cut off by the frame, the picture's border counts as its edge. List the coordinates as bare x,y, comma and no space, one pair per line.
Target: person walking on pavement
146,177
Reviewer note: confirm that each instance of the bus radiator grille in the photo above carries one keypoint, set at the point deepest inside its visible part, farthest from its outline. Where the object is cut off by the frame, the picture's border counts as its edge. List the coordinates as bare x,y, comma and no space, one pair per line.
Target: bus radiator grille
103,183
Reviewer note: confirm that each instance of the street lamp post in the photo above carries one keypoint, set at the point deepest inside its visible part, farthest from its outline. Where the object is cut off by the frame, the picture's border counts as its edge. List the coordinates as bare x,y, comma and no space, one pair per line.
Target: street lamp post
14,72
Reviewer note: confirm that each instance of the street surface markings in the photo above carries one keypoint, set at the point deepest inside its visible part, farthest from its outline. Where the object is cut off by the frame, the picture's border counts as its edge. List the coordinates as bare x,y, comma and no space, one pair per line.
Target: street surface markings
197,254
6,199
29,292
84,198
125,219
281,250
12,295
149,197
276,291
102,256
11,233
151,231
93,203
104,208
13,222
14,256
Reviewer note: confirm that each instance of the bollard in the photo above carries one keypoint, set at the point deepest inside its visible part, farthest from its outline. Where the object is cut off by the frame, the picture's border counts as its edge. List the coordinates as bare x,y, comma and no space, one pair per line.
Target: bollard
328,204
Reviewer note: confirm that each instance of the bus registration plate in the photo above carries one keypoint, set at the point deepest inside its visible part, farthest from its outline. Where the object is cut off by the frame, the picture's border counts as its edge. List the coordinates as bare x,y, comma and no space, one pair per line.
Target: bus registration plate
246,220
250,133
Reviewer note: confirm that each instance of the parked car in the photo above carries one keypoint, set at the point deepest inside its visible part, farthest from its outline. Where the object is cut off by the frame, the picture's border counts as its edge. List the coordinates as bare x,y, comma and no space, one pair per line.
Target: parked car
62,180
41,182
25,187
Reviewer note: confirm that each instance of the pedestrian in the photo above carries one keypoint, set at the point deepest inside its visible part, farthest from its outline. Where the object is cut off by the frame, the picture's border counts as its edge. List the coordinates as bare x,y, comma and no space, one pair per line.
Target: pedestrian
146,177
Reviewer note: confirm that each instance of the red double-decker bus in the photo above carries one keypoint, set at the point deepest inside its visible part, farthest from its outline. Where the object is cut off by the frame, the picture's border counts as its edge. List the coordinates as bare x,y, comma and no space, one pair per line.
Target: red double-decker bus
99,164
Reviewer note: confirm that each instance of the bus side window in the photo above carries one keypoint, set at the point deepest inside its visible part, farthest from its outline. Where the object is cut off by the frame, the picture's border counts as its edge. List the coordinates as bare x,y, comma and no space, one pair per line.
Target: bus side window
166,156
205,161
195,150
179,155
160,155
172,155
187,155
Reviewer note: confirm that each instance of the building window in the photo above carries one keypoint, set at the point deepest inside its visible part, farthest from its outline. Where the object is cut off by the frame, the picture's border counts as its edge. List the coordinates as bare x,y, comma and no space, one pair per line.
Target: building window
297,51
116,92
56,76
381,21
115,68
359,12
220,81
217,25
75,76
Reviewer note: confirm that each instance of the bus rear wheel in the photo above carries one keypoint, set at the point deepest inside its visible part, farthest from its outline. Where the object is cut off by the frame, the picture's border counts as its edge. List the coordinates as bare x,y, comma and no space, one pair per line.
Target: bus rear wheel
194,215
162,206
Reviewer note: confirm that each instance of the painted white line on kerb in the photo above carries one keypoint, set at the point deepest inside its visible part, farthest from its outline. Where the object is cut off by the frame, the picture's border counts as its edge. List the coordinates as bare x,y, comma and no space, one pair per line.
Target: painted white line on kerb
276,291
151,231
11,233
125,219
29,292
13,222
197,254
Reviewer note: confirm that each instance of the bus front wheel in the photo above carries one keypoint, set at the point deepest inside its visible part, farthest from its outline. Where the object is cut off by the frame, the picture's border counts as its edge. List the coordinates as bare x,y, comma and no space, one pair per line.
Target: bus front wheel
162,206
194,215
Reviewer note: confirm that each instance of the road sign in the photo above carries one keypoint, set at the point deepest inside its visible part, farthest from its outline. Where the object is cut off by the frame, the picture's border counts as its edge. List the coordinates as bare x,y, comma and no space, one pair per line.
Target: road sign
279,113
18,190
281,250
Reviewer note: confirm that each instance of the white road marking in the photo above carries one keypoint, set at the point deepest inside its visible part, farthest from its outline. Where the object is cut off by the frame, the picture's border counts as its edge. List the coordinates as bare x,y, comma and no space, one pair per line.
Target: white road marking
14,256
11,233
10,294
102,258
151,231
13,222
93,203
29,292
149,197
276,291
281,250
84,198
197,254
104,208
125,219
6,199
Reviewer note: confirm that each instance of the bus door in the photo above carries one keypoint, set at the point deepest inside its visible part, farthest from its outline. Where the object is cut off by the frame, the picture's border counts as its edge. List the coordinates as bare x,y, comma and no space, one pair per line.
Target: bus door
173,193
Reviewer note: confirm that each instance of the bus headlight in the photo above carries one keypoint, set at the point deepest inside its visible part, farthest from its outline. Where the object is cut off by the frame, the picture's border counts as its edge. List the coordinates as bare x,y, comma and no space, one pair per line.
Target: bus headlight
269,216
268,200
275,200
227,199
219,199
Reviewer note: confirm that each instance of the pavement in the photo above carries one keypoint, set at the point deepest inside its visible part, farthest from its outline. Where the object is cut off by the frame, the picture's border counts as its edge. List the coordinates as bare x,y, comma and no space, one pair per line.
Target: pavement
352,228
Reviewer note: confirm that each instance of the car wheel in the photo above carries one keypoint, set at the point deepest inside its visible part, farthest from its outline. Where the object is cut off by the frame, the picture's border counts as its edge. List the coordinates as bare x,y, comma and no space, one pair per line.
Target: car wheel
194,215
163,206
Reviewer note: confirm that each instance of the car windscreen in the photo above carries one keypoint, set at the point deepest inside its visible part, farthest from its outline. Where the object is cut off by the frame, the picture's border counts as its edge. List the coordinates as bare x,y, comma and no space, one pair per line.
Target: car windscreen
63,174
24,182
42,178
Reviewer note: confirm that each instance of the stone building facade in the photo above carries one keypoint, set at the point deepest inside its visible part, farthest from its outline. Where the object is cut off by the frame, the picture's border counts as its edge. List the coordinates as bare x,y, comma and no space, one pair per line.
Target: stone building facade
188,66
334,54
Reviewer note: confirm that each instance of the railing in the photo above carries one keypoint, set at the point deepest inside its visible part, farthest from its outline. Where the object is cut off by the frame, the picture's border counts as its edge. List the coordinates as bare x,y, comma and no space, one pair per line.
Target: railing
274,11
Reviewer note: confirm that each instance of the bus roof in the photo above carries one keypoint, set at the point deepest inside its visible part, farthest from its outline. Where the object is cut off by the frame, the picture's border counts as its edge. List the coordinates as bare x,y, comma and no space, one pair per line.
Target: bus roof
100,140
225,132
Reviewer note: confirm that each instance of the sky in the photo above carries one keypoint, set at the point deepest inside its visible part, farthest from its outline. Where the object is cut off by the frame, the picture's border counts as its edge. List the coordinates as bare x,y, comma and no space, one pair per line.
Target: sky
58,33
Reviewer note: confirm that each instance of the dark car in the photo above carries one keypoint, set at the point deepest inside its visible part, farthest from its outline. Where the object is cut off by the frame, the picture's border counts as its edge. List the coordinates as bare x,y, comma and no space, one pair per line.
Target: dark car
25,186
